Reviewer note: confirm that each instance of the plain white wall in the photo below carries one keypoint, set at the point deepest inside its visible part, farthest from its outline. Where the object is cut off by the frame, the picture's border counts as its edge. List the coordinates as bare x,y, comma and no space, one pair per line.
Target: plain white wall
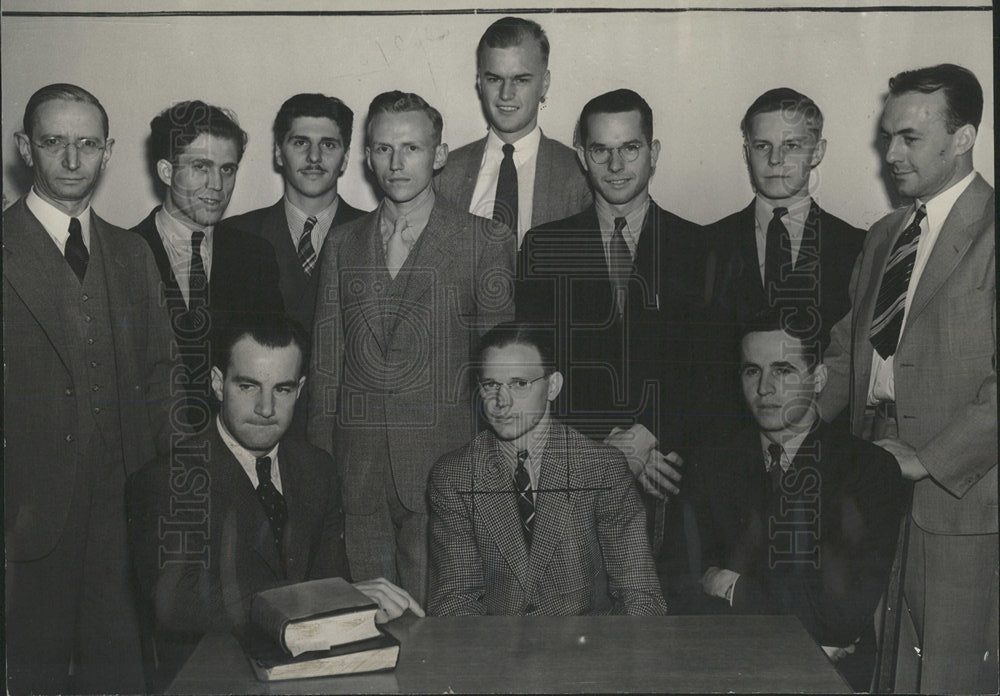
698,70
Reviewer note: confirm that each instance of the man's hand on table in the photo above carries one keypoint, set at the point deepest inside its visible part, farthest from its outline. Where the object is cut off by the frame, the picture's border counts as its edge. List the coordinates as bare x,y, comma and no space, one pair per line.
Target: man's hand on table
392,601
719,582
656,472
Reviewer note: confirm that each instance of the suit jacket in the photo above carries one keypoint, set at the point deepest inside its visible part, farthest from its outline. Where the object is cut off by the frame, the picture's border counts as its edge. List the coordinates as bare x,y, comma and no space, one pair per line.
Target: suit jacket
589,552
44,377
391,365
643,368
203,545
945,363
819,548
560,189
298,291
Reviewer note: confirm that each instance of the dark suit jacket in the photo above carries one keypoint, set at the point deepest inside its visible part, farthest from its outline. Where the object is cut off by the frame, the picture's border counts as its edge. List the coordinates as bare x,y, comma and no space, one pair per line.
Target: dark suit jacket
619,372
203,545
392,358
45,379
297,290
589,552
560,189
842,496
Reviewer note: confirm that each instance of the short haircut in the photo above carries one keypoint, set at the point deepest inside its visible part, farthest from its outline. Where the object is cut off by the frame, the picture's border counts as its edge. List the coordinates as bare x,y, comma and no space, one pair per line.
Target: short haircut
269,330
60,90
962,92
180,125
618,101
315,106
798,325
794,105
519,333
396,102
507,32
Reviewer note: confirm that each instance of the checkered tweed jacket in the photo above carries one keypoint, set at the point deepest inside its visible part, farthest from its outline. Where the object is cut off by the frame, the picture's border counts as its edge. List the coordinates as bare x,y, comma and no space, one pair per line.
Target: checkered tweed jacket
589,553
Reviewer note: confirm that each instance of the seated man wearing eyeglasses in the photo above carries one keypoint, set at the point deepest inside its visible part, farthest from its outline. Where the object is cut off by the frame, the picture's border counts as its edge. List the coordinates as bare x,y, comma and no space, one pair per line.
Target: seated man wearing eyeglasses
531,517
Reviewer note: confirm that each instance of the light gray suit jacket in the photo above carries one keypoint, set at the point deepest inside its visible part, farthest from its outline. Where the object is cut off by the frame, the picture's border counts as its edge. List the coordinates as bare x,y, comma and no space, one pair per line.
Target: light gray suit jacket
945,364
560,191
391,365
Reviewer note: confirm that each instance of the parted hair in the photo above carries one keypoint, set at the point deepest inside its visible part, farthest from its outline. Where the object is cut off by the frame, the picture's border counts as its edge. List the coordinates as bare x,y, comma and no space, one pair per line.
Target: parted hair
795,106
316,106
507,32
396,102
801,326
179,125
962,91
269,330
60,90
519,333
618,101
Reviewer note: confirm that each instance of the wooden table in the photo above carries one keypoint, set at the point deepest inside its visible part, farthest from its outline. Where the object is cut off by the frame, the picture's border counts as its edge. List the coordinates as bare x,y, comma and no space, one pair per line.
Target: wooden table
557,655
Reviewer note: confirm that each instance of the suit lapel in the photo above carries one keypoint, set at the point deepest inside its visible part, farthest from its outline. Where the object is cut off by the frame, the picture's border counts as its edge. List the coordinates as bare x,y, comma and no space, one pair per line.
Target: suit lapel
275,230
495,502
544,177
175,300
471,173
552,505
362,259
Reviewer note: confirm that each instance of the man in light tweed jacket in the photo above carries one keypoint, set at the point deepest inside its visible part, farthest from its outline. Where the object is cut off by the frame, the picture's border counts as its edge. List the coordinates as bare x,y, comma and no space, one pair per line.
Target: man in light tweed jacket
531,517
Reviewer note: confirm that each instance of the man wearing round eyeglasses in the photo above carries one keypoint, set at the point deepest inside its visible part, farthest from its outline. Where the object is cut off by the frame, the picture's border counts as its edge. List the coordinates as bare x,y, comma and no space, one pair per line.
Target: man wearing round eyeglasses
531,517
87,372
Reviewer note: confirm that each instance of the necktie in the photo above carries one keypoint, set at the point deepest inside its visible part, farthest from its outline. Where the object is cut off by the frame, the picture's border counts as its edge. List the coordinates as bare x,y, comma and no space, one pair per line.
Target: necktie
76,253
774,470
525,499
273,502
891,301
777,252
399,246
307,254
619,265
505,201
197,279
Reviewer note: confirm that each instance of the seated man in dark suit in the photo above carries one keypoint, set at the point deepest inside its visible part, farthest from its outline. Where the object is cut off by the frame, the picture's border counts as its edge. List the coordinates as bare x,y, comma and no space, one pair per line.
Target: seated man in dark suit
239,508
210,272
531,517
797,517
312,144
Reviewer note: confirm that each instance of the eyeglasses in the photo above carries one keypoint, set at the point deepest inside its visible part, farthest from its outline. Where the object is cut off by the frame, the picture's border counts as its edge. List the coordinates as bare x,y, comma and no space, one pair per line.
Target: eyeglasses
517,387
55,145
602,155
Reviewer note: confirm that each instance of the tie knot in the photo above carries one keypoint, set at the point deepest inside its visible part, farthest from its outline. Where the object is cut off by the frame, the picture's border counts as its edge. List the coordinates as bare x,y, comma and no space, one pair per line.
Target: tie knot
75,228
308,227
919,215
779,212
508,150
620,224
196,239
774,450
522,457
263,469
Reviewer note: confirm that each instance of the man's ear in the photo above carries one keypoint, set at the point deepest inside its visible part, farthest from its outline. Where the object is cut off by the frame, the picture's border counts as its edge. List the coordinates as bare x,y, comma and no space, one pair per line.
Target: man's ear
819,378
217,379
302,383
278,159
654,152
818,153
343,164
440,155
106,154
555,382
581,154
964,138
24,147
165,170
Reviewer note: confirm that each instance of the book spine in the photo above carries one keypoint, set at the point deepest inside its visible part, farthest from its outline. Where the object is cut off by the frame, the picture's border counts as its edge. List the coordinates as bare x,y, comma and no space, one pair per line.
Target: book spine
270,620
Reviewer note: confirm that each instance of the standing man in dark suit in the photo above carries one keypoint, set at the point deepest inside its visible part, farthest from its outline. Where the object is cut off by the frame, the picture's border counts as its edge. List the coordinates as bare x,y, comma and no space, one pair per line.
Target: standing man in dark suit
915,360
87,371
312,144
514,175
238,508
210,272
404,296
531,517
796,517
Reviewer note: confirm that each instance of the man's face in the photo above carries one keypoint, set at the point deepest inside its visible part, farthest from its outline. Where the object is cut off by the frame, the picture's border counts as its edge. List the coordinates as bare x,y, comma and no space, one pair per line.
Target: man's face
67,178
258,393
922,155
778,385
402,153
781,151
200,183
620,135
312,156
511,83
512,415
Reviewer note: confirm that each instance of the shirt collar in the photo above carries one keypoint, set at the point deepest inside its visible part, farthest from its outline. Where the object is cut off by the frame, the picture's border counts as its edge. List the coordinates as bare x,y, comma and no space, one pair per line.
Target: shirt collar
246,458
538,439
55,221
635,217
790,447
524,148
296,217
798,211
175,231
417,216
940,205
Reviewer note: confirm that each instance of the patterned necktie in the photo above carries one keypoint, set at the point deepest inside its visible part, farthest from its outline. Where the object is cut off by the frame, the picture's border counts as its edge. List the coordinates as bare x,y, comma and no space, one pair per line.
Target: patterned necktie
399,245
774,470
273,502
505,200
777,252
891,302
525,499
307,254
197,279
76,252
619,265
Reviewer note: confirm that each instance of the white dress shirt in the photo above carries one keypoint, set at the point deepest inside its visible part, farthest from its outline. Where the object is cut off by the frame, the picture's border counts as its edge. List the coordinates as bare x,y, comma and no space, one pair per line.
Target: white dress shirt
247,459
795,223
56,222
525,159
296,220
176,238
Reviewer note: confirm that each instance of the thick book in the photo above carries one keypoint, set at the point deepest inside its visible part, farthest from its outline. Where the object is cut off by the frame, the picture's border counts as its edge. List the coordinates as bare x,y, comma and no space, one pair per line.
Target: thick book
314,615
271,663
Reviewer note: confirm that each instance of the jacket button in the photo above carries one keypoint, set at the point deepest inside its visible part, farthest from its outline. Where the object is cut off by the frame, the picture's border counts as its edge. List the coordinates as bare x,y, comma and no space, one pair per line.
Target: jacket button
70,438
68,391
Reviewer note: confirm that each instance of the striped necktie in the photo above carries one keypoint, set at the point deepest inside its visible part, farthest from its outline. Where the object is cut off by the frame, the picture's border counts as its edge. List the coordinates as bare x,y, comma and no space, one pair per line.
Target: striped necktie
307,254
525,497
891,303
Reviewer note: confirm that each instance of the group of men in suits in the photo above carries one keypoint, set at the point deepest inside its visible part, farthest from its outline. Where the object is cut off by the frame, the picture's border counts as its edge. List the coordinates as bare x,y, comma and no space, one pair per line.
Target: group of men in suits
639,309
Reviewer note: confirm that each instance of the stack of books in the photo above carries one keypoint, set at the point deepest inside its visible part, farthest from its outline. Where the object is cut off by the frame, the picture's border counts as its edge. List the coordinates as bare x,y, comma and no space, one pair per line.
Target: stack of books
318,628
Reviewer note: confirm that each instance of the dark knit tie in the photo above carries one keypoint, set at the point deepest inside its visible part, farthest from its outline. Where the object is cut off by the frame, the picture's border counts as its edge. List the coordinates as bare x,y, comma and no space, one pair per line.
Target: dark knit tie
197,278
307,254
891,302
505,201
525,499
619,265
777,252
77,255
774,470
273,502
